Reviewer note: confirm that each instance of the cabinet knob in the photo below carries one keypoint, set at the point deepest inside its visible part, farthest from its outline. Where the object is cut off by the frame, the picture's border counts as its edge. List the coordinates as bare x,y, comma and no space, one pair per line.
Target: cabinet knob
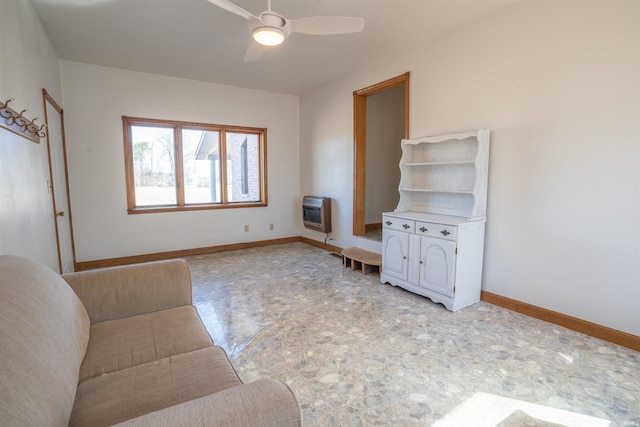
388,223
423,229
445,233
405,226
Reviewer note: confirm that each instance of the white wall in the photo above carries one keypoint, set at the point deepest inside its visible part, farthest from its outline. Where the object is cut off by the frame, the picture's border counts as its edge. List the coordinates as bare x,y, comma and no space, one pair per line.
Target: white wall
558,83
28,63
95,100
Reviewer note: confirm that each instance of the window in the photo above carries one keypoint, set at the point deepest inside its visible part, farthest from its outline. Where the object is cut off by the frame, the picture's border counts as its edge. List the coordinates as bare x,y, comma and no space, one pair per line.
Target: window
173,165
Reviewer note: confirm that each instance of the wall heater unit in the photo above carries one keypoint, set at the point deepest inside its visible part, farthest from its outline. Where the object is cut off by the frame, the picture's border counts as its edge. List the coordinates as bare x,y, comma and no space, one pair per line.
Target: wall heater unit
316,213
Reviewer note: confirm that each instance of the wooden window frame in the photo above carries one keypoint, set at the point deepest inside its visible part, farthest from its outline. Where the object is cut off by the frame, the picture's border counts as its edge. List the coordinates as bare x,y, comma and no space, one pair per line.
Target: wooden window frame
178,126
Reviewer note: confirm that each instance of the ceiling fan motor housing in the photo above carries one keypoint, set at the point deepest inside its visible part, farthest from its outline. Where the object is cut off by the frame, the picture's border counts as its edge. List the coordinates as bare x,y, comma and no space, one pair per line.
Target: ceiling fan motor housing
273,19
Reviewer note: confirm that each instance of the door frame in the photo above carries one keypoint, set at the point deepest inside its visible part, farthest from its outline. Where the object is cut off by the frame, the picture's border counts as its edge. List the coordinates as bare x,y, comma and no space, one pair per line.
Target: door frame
46,98
360,142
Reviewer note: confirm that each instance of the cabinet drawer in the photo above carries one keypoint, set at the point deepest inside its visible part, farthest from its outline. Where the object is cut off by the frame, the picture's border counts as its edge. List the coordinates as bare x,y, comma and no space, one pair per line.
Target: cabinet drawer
441,231
399,224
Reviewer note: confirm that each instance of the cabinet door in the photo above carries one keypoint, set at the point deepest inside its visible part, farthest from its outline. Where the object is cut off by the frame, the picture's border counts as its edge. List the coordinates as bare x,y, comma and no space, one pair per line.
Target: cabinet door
395,248
437,265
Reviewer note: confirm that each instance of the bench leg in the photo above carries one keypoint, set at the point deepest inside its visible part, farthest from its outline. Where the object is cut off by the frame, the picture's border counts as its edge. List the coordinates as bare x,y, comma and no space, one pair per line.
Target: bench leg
359,265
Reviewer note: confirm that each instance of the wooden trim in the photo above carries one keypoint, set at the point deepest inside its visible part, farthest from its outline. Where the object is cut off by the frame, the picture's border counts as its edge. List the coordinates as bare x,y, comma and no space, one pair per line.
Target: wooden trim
179,166
159,256
48,99
592,329
359,162
128,166
264,188
186,208
407,91
360,142
178,126
222,148
51,101
385,85
142,121
373,227
321,245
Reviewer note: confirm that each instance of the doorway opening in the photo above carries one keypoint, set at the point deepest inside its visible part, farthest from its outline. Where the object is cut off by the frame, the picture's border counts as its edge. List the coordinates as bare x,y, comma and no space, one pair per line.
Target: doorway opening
376,169
59,183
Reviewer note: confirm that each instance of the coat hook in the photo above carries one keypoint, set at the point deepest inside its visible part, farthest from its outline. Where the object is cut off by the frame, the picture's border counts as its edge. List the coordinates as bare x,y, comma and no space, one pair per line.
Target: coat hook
5,111
40,132
18,123
7,103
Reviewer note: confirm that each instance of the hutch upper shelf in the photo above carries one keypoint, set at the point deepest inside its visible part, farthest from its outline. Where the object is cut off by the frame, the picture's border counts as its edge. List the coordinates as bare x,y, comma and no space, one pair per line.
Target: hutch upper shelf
445,174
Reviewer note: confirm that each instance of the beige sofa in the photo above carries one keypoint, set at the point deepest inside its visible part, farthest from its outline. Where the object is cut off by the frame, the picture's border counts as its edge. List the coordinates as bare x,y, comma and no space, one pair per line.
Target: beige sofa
119,345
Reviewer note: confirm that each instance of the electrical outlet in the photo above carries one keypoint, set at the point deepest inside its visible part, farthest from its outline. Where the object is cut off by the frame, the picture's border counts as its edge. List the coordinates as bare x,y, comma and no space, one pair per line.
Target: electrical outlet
270,227
246,228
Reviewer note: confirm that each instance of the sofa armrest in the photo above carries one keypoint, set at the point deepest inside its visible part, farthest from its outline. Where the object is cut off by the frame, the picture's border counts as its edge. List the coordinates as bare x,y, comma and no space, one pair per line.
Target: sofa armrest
263,403
116,292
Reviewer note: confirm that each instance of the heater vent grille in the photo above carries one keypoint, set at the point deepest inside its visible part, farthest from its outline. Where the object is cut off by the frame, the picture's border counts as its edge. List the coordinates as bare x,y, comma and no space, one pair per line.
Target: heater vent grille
316,213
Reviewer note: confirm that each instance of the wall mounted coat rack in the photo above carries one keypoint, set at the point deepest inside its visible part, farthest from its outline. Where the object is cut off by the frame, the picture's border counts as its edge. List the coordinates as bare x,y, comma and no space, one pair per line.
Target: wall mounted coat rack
18,124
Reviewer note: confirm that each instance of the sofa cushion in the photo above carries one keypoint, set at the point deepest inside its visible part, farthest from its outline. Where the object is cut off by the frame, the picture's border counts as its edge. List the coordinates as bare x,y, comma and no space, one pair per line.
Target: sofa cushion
127,342
121,395
130,290
44,330
265,403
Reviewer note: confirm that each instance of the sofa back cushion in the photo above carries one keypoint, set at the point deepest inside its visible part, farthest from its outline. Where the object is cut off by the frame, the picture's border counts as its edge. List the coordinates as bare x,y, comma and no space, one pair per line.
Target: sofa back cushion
44,331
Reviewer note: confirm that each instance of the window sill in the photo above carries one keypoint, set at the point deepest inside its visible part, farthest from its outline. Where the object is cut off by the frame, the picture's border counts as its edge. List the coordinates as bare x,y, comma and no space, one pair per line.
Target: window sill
161,209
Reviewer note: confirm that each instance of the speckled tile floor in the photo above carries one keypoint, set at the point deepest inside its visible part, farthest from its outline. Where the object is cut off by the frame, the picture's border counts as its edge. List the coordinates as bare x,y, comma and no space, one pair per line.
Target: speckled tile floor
359,353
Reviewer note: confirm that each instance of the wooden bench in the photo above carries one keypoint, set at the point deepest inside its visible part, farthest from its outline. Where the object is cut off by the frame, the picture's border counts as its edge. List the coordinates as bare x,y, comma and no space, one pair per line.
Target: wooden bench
360,259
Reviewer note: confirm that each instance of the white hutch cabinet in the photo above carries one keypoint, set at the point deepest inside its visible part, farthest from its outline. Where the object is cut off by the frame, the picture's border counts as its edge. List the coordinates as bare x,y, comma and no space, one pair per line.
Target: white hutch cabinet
433,243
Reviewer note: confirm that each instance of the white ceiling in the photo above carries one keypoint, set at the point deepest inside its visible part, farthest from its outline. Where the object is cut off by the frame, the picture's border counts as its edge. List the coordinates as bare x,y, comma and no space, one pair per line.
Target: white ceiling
196,40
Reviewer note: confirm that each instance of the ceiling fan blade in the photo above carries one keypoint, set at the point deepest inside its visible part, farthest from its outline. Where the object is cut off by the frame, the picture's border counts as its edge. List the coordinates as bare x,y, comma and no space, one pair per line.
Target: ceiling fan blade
254,52
230,7
327,25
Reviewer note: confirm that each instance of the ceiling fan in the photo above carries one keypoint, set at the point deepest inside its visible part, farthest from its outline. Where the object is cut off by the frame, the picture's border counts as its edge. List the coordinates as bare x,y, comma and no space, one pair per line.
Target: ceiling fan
271,28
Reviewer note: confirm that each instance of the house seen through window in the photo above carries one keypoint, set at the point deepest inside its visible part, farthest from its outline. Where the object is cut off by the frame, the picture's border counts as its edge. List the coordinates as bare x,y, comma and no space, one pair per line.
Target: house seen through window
180,166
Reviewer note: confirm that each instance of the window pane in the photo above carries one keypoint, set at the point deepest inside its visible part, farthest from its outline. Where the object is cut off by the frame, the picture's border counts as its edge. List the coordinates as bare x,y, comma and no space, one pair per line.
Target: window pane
201,158
243,167
153,165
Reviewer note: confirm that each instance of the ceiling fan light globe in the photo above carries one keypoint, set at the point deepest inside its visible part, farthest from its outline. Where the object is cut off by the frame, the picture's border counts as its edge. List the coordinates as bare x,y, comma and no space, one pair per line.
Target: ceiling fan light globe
268,36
